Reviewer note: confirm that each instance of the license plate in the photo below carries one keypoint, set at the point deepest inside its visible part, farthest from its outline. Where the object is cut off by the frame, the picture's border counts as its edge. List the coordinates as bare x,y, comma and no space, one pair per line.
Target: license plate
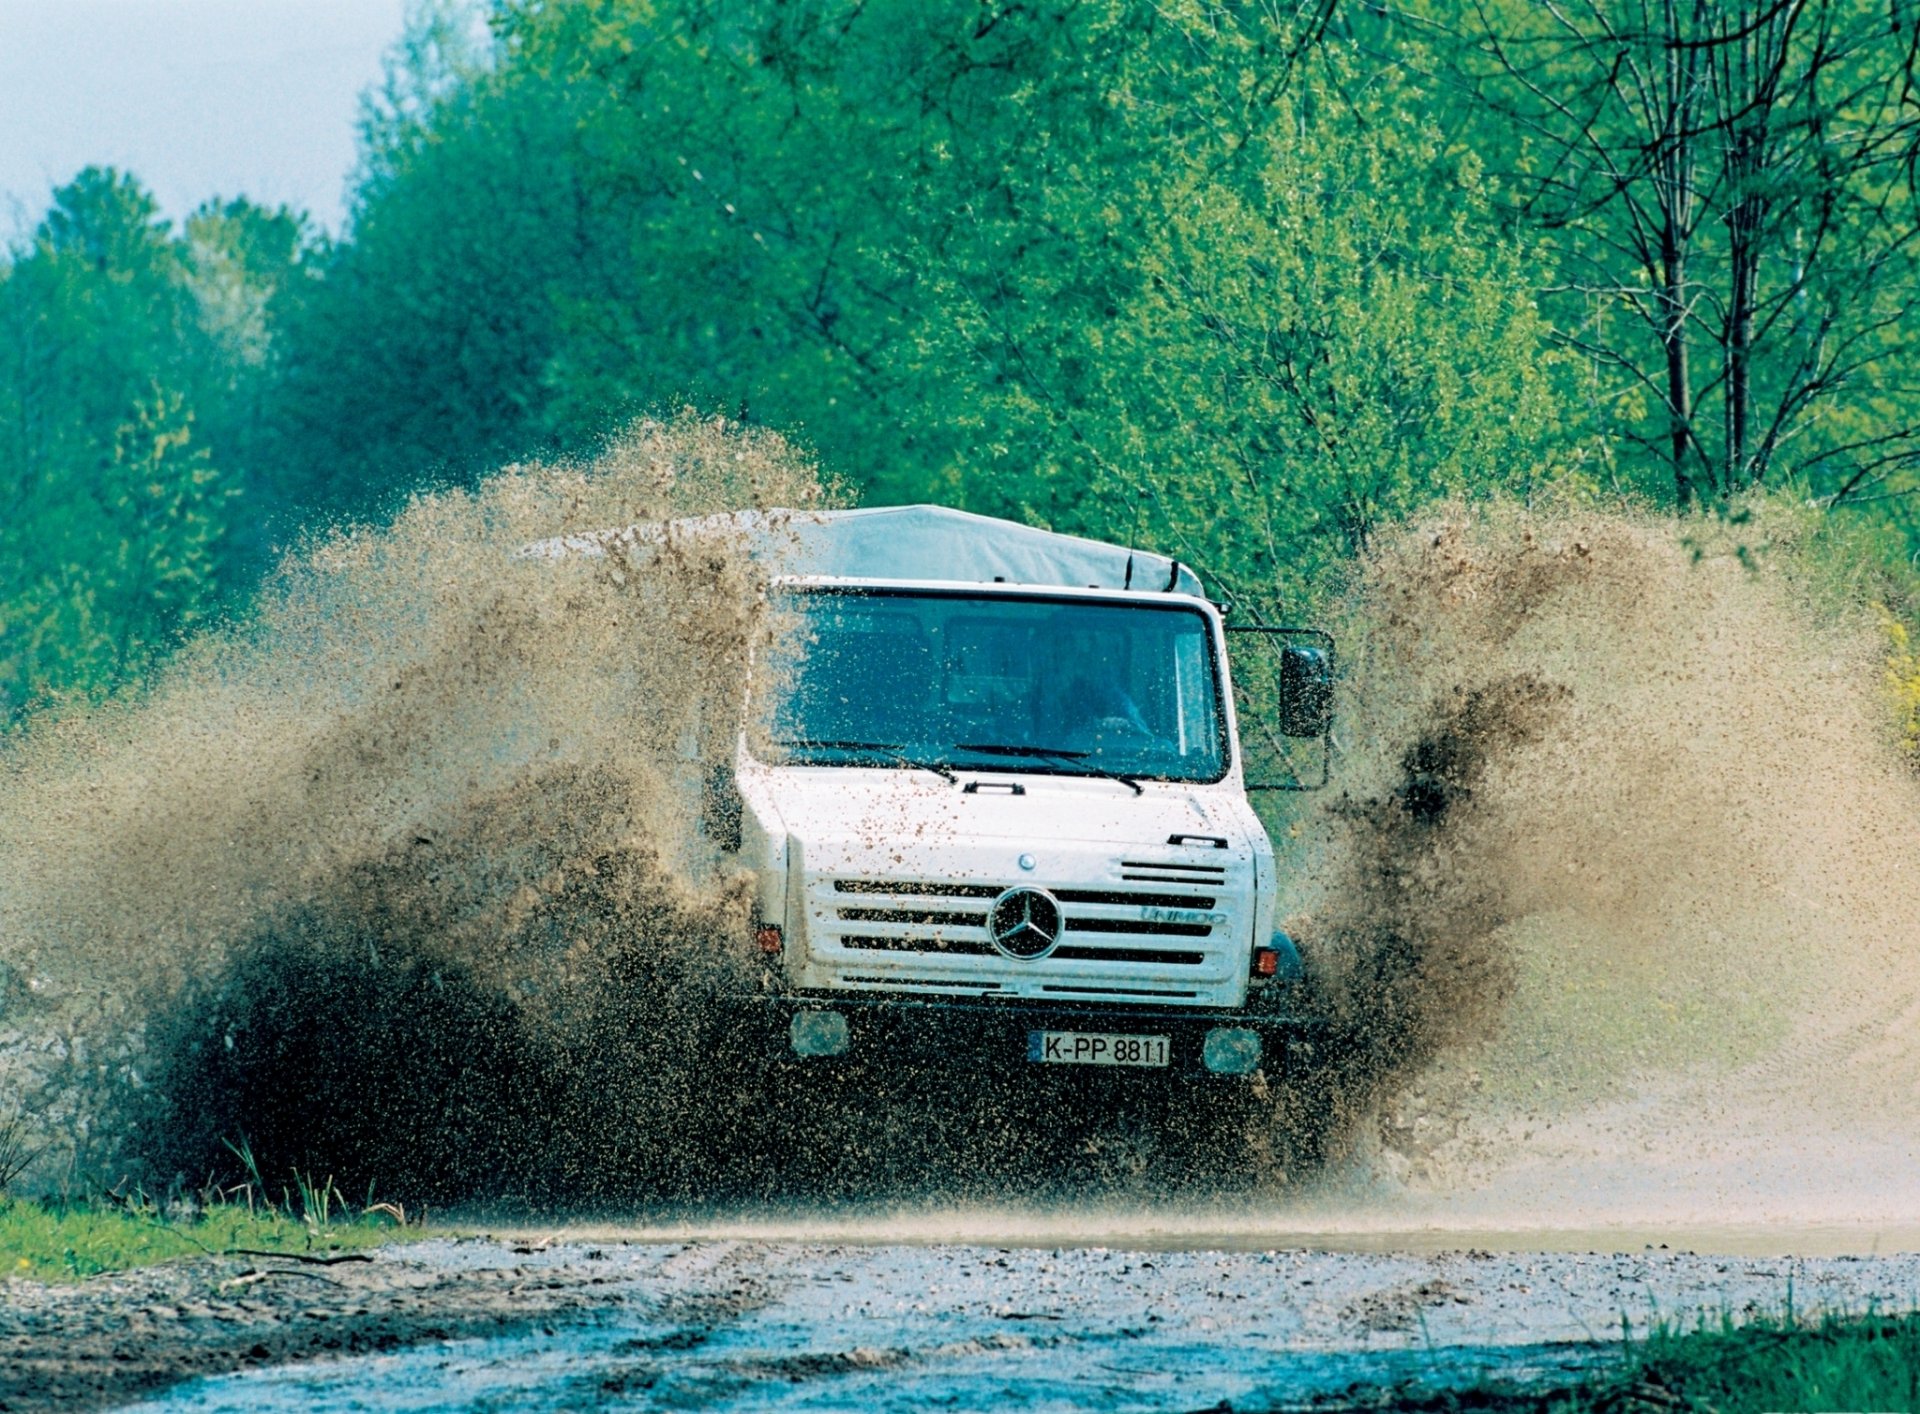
1095,1048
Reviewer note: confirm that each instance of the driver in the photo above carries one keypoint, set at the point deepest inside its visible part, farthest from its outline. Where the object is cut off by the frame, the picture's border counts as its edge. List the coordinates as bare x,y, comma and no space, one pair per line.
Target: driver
1095,708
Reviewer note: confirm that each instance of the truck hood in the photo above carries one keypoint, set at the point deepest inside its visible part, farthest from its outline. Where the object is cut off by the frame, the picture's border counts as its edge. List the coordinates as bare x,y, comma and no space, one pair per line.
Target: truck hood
855,805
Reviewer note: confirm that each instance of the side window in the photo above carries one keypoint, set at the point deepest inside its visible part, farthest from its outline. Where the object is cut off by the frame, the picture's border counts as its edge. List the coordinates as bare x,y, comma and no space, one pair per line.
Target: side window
1194,685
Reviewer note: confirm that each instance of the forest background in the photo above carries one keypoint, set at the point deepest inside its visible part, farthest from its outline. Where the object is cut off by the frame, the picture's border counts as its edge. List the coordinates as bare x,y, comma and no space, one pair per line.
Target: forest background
1241,281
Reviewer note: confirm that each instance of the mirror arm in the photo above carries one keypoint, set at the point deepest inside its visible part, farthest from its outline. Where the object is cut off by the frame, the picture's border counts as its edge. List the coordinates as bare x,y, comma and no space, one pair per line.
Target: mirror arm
1325,641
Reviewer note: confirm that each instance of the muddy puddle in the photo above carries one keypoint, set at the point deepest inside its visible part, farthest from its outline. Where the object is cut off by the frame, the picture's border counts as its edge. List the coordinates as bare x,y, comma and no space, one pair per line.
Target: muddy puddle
748,1324
604,1367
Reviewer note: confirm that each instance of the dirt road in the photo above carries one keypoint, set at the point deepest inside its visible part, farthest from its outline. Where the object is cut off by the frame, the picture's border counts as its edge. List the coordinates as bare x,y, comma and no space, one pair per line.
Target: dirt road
737,1323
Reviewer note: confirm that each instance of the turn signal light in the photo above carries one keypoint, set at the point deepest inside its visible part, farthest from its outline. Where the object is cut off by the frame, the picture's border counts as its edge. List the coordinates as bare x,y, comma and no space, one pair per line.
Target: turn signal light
1266,962
767,938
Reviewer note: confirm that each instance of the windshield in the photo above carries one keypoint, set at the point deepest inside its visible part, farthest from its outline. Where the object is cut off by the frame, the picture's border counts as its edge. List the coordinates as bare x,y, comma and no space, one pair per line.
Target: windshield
885,678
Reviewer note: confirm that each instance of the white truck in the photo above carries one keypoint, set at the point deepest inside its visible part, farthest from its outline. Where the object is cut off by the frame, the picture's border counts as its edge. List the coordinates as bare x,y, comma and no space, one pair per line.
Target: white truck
994,795
996,802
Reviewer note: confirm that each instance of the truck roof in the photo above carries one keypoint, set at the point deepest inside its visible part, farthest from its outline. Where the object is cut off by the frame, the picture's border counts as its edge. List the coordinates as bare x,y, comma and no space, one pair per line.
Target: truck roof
911,543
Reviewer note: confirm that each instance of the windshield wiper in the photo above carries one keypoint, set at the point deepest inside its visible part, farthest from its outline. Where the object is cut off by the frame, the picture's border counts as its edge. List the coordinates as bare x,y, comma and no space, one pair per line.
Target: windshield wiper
883,748
1046,753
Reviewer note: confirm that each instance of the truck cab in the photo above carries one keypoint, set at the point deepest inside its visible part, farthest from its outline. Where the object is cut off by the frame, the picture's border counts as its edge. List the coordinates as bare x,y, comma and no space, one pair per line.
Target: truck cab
992,791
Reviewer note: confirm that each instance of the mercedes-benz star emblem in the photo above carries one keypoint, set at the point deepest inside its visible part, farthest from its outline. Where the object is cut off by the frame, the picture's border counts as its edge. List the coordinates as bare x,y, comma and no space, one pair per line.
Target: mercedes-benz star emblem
1025,923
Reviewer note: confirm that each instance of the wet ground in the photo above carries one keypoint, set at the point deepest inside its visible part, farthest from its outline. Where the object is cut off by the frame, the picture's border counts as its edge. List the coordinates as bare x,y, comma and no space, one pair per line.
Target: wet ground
751,1323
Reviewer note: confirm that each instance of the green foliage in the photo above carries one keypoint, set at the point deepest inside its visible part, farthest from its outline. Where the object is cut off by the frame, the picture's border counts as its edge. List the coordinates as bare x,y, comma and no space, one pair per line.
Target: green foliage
1234,281
131,366
126,558
1305,329
1029,259
1727,196
250,272
1726,1365
68,1241
1723,1365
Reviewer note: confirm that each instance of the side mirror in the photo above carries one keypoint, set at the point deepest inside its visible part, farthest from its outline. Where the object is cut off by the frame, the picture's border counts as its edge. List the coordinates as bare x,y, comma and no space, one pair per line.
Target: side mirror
1283,689
1306,691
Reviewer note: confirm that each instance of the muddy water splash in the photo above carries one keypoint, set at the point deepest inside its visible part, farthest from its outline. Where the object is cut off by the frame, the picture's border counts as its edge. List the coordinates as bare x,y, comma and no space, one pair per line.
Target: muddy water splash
1627,858
407,882
383,883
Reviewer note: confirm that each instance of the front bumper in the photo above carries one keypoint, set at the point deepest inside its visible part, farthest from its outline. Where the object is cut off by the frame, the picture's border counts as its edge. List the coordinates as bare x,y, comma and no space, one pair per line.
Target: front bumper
905,1031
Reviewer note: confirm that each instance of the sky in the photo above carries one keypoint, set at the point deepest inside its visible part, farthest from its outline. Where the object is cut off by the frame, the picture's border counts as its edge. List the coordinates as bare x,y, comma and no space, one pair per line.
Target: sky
198,98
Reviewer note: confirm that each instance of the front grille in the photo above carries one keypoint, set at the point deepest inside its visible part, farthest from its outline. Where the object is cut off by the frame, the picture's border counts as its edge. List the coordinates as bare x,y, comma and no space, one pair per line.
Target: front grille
1111,935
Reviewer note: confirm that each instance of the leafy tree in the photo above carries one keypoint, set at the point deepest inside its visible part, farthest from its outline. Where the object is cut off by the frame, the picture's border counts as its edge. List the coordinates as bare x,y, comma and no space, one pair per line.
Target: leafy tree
420,350
250,272
112,517
105,575
1287,318
1728,189
1020,257
163,522
94,310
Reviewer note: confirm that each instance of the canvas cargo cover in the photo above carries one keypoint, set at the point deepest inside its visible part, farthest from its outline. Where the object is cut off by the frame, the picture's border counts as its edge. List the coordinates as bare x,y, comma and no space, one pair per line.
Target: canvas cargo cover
905,542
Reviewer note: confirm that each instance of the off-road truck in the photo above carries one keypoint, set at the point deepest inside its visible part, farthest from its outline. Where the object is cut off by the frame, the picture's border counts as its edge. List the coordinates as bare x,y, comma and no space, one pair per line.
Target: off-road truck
994,792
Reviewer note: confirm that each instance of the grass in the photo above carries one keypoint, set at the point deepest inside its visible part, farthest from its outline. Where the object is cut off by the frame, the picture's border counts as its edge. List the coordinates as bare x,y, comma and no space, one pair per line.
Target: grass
1832,1362
1782,1363
72,1239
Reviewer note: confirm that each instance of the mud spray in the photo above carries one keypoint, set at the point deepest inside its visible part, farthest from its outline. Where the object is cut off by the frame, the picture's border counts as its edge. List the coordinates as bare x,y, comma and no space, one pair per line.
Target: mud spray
1617,913
406,882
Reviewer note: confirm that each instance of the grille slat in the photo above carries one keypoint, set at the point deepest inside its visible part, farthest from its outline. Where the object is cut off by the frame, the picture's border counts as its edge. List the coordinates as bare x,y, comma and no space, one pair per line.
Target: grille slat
1131,898
908,888
1138,925
916,942
913,915
1069,952
1168,957
886,928
1148,871
943,984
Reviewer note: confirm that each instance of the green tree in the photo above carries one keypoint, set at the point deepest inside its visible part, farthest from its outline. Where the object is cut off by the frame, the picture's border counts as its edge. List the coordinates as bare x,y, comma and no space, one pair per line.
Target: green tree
112,518
249,271
1286,316
107,571
1728,193
1025,257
